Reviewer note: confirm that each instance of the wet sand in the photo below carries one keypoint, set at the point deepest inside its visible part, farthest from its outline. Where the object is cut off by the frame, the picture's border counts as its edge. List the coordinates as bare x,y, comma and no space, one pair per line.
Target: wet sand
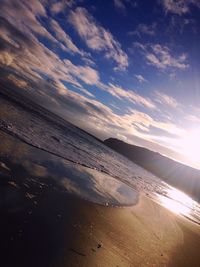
42,224
60,230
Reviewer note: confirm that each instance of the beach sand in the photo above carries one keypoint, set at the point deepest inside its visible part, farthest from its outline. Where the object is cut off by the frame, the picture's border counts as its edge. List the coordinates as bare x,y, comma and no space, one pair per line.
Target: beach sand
43,225
61,230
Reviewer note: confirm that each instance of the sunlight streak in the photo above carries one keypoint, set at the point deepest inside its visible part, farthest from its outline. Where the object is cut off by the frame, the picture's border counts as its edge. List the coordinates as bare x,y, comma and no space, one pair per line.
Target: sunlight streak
179,203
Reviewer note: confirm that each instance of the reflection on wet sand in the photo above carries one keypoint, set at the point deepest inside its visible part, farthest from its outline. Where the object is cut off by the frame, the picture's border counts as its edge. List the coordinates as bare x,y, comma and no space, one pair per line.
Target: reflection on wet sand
30,165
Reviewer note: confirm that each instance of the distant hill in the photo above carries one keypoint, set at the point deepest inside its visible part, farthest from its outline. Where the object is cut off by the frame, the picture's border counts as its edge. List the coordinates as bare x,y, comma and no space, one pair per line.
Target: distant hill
176,174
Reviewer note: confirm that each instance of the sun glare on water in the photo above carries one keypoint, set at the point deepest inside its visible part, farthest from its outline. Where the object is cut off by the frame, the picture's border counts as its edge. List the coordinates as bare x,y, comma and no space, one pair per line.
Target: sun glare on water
177,201
180,203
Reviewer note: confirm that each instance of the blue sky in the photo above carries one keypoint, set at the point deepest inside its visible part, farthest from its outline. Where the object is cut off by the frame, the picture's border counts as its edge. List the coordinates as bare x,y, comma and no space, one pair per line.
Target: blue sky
121,68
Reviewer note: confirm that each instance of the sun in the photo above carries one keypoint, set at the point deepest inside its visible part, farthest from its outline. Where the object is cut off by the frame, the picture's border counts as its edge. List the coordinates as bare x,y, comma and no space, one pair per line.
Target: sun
190,146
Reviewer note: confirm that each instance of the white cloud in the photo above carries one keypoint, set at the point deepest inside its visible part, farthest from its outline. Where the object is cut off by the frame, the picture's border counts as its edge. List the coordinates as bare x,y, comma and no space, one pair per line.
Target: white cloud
179,7
62,89
108,123
86,92
144,29
35,58
161,57
129,95
165,59
140,78
19,82
24,15
62,36
96,37
166,99
85,73
6,58
192,118
144,122
60,6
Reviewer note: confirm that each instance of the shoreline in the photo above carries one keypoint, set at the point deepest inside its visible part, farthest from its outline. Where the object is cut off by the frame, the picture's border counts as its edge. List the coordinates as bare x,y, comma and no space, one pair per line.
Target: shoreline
12,136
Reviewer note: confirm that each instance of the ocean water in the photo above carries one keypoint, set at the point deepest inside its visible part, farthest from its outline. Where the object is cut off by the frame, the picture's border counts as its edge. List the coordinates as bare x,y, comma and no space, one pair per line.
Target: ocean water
80,163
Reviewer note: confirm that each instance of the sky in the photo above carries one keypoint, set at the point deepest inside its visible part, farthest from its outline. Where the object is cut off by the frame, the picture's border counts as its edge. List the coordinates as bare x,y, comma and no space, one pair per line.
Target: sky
118,68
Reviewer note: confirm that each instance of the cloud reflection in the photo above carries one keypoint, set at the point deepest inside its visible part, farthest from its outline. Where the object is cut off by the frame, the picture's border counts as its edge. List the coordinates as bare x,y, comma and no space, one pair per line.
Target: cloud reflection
37,166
